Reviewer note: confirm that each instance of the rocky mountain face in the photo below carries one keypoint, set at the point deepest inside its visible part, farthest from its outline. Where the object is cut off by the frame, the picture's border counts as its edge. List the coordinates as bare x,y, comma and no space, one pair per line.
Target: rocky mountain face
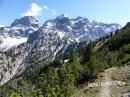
18,32
44,42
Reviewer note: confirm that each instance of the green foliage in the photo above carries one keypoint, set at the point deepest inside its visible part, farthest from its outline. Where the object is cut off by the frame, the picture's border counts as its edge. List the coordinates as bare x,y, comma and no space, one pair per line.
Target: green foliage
61,81
124,60
23,84
14,94
125,49
87,52
117,41
93,65
73,56
38,93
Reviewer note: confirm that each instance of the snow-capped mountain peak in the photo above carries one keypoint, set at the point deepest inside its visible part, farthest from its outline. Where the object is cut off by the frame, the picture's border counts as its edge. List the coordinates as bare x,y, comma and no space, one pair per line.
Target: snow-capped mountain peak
26,21
18,32
79,28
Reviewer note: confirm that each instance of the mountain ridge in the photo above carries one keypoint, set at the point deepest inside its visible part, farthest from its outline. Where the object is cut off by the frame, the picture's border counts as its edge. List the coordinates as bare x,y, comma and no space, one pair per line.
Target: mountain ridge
46,41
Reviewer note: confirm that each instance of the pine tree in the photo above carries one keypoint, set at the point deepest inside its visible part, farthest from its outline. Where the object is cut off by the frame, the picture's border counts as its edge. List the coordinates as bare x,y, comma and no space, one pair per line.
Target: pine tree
87,52
73,56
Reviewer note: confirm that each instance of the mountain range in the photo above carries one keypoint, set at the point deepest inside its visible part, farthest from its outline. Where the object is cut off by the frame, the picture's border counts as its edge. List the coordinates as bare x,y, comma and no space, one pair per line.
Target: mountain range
27,38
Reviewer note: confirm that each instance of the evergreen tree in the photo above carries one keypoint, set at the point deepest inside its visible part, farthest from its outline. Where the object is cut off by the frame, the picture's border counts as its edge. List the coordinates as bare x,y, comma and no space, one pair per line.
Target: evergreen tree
73,56
86,53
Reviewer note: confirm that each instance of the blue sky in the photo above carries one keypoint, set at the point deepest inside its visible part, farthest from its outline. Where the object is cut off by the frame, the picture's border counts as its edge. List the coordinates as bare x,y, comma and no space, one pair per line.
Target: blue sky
108,11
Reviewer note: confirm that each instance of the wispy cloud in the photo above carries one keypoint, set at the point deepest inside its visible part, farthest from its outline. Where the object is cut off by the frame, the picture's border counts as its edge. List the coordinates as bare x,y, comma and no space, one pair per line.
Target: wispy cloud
34,10
45,7
54,12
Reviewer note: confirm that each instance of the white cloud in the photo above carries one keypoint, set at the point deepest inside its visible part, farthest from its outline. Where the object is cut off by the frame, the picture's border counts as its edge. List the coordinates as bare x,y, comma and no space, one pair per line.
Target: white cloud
45,7
34,10
66,14
1,25
53,11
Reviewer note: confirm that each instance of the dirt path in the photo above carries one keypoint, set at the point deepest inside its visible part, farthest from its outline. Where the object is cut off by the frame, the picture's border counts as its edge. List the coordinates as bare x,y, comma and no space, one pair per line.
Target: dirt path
108,89
105,89
97,91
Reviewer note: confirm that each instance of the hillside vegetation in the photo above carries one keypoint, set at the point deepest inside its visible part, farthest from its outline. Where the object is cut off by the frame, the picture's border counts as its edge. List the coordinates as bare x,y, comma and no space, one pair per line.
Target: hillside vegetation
59,79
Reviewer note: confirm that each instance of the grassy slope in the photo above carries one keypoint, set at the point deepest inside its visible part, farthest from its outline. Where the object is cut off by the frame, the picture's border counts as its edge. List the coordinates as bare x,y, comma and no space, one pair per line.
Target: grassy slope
115,74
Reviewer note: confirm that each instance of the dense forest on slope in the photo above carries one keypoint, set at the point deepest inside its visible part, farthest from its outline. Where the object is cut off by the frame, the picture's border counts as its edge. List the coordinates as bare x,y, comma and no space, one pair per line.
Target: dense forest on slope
60,79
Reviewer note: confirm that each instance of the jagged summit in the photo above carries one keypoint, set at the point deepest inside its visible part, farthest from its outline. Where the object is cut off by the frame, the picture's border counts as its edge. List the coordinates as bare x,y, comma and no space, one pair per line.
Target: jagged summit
80,28
18,32
26,21
77,29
